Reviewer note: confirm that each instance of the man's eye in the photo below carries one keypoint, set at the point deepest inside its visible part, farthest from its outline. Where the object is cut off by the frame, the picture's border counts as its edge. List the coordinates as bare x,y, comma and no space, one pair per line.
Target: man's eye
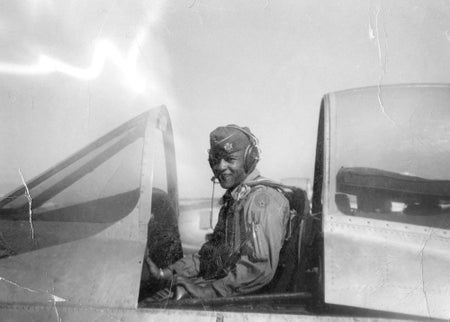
215,160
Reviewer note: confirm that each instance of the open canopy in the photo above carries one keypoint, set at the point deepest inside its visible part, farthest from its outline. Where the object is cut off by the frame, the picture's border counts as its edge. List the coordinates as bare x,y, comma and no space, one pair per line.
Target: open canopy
77,232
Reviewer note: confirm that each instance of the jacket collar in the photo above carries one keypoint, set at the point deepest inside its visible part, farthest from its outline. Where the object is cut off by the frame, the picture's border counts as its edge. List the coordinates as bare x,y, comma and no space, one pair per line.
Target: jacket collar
242,190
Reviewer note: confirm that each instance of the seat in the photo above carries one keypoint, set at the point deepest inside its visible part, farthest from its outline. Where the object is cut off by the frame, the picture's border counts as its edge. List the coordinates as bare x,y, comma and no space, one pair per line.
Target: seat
297,256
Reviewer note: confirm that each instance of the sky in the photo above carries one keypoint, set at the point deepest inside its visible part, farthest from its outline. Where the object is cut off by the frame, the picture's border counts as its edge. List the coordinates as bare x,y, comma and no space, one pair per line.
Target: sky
72,70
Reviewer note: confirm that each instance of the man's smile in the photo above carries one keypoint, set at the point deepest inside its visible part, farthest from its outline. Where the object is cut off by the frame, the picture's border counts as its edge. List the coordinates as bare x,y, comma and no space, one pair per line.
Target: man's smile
225,176
229,168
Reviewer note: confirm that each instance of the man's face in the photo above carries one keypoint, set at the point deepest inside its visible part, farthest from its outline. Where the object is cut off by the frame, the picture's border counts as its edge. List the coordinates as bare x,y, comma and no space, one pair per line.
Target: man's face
228,168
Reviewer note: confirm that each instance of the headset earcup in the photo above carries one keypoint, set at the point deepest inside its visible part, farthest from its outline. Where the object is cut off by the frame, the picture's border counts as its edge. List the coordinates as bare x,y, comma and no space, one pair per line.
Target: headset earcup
251,157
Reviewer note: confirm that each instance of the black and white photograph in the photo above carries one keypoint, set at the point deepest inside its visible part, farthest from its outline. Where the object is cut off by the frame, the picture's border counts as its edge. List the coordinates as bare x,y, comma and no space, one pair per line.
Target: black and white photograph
207,160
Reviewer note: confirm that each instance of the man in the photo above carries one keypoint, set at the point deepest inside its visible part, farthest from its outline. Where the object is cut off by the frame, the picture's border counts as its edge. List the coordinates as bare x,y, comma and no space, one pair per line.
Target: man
242,254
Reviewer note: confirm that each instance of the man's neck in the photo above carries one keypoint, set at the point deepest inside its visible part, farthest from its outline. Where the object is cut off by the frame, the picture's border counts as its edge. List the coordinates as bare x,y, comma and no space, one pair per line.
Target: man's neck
236,192
250,177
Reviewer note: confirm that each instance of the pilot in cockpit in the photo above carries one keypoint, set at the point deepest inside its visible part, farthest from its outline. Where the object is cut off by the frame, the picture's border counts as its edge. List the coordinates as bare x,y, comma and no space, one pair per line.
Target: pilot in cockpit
241,255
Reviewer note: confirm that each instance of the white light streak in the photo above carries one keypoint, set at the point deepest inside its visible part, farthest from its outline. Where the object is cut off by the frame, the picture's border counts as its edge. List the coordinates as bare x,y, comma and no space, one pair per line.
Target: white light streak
104,50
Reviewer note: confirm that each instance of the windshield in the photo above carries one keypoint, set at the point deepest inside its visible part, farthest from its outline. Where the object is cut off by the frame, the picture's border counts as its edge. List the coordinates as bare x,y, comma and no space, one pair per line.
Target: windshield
390,152
78,197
